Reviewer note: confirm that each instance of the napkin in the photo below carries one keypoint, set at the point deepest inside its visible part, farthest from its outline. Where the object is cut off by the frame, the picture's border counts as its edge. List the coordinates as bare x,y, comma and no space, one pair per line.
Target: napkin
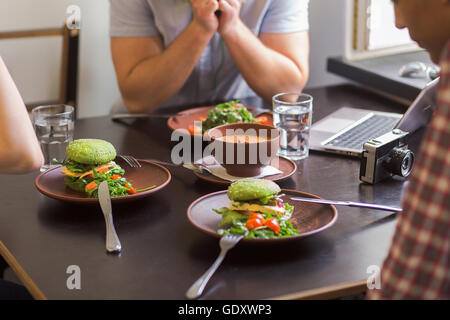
217,170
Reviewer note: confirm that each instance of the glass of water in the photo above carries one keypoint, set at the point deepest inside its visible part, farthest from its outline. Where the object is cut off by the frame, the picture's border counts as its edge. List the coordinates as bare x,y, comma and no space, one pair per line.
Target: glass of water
292,114
54,126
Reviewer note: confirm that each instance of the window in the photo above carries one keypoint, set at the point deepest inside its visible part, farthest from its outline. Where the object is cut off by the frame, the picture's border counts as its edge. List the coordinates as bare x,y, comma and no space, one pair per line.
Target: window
371,30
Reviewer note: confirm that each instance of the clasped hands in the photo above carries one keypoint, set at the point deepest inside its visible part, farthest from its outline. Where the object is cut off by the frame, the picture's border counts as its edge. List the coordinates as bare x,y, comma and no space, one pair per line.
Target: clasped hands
225,23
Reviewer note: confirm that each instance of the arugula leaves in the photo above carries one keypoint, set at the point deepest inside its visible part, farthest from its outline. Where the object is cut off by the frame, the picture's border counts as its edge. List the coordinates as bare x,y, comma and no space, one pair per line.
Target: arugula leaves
117,184
72,166
117,187
234,222
228,112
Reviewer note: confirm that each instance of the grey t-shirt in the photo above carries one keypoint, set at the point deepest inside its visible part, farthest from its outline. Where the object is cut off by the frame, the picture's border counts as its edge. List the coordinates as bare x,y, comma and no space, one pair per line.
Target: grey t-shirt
215,77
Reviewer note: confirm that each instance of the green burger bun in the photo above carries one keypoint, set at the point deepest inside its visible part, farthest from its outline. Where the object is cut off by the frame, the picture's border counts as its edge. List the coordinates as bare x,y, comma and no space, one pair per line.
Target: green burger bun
91,151
252,189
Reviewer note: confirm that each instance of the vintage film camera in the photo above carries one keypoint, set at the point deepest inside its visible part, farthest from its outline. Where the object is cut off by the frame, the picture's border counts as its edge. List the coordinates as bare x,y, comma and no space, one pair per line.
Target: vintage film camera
385,157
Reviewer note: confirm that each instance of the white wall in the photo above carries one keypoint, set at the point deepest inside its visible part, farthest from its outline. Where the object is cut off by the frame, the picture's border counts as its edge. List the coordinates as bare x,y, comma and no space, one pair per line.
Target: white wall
34,64
327,38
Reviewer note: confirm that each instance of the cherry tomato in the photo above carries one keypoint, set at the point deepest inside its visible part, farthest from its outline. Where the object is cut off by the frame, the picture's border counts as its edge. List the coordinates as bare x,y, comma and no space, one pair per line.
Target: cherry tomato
273,225
91,186
254,223
256,215
130,189
262,120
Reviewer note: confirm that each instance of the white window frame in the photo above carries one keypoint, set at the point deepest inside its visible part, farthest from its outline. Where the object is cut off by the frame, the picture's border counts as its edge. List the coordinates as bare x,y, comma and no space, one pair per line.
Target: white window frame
357,34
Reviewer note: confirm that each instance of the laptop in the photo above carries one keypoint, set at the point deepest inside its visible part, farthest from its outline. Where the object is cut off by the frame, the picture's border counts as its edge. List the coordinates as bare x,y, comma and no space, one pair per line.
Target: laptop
346,130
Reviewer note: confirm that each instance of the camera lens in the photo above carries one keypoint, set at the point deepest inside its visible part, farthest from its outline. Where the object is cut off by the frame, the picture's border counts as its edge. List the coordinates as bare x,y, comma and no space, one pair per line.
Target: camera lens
400,162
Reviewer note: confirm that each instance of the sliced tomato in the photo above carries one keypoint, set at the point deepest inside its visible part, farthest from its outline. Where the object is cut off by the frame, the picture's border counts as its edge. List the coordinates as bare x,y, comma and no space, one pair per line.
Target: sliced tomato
262,119
191,129
273,225
130,189
115,177
254,223
256,215
91,186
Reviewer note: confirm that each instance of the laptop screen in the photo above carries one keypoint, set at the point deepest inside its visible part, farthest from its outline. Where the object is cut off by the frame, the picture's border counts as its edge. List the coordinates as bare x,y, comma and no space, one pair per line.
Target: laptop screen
420,112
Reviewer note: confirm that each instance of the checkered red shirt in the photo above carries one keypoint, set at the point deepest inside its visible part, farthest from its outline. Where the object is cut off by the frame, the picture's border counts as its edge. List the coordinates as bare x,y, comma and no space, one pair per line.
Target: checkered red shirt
418,262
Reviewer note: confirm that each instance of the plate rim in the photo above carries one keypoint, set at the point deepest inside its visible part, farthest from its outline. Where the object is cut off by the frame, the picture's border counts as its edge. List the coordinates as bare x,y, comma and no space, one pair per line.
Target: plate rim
292,238
220,181
187,111
192,110
95,200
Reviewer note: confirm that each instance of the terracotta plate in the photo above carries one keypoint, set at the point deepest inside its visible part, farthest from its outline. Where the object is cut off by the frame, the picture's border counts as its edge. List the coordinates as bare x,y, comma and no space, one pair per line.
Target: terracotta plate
187,117
308,218
51,183
288,167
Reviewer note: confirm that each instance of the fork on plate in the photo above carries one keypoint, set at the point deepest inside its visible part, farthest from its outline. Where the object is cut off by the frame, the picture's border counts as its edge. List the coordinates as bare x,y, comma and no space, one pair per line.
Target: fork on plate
226,243
130,160
134,163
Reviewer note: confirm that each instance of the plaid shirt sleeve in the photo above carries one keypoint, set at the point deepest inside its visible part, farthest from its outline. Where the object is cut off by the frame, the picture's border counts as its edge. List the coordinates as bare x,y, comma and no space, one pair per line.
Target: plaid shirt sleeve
418,262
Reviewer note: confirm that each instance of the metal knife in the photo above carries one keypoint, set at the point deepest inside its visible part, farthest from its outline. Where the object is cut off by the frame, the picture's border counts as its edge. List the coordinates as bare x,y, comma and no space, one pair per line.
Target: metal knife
256,112
119,116
112,241
350,204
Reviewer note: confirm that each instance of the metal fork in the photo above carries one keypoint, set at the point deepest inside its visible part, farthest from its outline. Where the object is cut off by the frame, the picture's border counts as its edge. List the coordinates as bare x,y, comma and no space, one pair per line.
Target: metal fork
131,161
226,243
191,166
134,163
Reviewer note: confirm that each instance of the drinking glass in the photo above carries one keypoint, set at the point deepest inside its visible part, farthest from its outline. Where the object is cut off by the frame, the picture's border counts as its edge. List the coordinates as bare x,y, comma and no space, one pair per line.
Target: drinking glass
54,126
292,114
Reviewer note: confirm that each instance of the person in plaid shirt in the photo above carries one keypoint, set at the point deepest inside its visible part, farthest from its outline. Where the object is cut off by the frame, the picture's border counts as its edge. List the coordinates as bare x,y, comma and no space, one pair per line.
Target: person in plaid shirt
418,262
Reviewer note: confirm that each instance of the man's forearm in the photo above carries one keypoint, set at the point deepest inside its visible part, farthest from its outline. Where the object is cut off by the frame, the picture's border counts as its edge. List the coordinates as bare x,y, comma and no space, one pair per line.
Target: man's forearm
156,79
266,71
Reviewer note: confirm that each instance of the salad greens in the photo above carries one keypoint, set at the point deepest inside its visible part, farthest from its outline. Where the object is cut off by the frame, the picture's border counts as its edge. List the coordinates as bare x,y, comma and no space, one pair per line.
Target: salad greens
228,112
73,166
117,184
234,222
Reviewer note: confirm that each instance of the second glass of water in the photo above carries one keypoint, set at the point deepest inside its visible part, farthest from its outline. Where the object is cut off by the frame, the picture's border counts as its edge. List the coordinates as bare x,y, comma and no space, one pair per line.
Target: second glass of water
292,114
54,126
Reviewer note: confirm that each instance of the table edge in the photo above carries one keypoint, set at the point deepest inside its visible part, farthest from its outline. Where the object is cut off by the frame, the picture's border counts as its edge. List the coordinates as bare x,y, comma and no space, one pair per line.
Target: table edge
328,292
21,273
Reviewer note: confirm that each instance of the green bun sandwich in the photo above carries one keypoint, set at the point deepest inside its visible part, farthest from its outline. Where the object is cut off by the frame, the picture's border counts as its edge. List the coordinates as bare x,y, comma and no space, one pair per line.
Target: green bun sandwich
256,210
257,195
91,151
83,156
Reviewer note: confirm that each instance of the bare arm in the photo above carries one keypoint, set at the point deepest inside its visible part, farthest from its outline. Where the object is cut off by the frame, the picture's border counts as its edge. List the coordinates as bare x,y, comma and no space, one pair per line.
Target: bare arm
270,64
19,149
139,61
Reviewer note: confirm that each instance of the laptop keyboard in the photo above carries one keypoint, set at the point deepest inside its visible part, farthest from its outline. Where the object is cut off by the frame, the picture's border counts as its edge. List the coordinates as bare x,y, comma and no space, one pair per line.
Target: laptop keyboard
371,128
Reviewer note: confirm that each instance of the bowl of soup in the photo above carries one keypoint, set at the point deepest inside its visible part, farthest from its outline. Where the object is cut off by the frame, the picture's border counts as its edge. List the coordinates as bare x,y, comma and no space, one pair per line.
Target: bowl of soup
243,149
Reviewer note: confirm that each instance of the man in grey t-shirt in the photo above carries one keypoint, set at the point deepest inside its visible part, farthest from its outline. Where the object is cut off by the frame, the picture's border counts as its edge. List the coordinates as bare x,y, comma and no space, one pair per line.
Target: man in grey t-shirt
180,52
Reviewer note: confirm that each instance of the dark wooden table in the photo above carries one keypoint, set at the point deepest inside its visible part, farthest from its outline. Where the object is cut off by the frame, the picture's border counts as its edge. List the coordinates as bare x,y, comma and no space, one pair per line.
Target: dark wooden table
163,254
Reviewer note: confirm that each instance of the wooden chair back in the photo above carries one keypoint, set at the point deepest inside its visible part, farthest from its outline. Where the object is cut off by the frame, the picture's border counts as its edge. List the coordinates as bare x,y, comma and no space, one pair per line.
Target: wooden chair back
69,66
